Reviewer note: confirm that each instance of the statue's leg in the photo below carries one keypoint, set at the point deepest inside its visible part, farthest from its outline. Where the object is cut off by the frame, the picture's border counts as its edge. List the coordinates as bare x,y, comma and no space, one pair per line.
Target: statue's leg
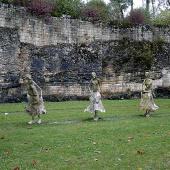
39,119
96,116
147,113
32,121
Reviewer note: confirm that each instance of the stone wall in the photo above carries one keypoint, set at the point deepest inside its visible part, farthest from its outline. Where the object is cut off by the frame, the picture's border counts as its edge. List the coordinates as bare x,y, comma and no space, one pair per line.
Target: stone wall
39,32
61,54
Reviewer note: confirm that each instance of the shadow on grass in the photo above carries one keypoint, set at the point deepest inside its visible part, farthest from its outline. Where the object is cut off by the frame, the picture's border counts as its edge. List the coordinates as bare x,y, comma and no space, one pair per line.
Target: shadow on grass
89,119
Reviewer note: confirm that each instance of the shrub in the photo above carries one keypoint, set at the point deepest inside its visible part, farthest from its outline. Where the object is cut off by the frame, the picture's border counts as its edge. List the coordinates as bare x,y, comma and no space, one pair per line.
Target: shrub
40,7
5,1
163,18
90,14
67,7
16,2
95,10
139,16
20,2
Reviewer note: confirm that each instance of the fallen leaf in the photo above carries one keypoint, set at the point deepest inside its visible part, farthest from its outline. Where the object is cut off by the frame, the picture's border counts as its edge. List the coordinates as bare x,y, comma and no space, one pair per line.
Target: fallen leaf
2,137
97,151
16,168
7,152
67,160
140,152
45,149
34,162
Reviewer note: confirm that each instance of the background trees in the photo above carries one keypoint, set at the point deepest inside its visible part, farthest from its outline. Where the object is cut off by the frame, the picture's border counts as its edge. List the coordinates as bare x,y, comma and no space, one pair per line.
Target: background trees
96,10
117,11
67,7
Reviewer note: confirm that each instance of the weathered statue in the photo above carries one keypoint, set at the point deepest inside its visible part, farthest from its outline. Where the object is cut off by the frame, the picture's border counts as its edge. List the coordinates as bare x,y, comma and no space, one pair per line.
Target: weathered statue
95,98
35,105
147,103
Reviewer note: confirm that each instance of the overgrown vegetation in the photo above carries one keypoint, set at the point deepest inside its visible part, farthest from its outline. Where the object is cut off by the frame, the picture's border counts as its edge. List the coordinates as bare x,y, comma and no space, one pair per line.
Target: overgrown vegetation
163,18
114,13
95,10
134,55
67,7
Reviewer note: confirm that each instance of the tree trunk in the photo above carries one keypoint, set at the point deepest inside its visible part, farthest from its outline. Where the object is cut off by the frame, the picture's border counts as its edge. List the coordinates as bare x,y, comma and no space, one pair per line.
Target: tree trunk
153,7
147,5
131,4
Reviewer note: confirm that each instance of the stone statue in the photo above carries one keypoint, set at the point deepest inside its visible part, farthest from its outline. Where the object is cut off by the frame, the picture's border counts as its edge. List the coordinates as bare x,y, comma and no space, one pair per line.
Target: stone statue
147,103
95,98
35,105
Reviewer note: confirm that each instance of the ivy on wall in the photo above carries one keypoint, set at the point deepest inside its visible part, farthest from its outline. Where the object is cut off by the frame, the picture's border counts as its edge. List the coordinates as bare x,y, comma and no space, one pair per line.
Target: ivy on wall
133,56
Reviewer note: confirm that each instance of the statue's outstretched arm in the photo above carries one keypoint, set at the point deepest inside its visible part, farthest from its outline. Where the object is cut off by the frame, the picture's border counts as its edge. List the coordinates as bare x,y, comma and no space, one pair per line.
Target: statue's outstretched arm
38,88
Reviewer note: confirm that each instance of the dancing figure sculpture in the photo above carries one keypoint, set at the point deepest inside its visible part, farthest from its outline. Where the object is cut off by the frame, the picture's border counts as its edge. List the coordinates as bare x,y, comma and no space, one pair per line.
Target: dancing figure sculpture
35,106
147,102
95,97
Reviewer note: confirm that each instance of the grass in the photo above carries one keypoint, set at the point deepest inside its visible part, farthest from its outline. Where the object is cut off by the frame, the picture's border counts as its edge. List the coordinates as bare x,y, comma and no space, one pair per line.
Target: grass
123,140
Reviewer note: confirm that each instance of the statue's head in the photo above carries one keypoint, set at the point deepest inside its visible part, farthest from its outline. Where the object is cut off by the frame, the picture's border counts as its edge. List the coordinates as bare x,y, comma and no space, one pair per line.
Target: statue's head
27,79
93,74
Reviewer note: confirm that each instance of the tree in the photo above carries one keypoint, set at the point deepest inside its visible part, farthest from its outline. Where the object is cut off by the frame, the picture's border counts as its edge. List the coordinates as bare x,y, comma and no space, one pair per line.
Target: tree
153,7
40,7
139,16
163,18
120,7
147,5
131,4
96,10
161,5
68,7
168,2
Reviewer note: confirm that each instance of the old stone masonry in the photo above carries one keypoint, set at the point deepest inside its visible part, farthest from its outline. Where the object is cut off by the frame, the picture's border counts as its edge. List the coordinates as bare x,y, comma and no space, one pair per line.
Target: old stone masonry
62,53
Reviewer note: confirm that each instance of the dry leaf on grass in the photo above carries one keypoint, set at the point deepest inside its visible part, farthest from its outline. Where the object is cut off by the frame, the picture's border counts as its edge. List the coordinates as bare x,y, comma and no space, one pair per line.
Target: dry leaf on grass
7,152
16,168
2,137
34,162
140,152
97,151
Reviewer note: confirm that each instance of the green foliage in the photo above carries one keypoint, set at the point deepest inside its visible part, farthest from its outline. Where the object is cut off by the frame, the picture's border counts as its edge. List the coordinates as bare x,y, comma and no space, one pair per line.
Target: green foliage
117,8
139,16
16,2
96,10
67,7
163,18
138,55
40,7
6,1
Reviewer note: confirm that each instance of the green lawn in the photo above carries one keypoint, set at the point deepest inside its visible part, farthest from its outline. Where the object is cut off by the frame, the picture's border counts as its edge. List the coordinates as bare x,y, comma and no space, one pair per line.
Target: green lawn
123,140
